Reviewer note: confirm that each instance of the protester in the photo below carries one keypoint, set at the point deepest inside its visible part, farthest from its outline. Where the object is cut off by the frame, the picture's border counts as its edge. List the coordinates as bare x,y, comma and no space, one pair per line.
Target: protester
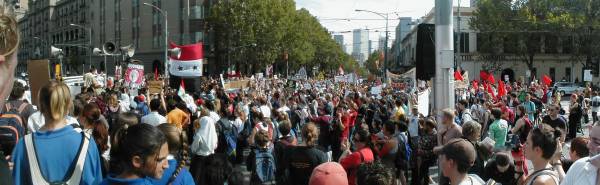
541,148
154,118
204,144
57,145
330,173
471,132
595,106
498,130
261,162
577,151
585,170
302,159
457,156
178,158
16,103
501,169
365,153
529,106
555,120
464,114
141,153
374,174
575,114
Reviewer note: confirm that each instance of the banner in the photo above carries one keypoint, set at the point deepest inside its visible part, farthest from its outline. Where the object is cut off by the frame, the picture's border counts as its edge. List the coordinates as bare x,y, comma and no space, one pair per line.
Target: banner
301,74
189,62
423,102
155,86
405,81
348,78
239,84
134,76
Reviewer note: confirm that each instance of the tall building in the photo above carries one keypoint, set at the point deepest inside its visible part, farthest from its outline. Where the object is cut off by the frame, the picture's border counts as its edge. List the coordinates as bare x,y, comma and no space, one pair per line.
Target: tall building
403,28
48,22
381,43
360,45
340,40
370,47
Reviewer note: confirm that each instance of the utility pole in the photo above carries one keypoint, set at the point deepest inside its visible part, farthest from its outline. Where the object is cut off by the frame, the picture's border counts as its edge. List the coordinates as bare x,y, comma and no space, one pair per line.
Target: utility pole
444,48
458,31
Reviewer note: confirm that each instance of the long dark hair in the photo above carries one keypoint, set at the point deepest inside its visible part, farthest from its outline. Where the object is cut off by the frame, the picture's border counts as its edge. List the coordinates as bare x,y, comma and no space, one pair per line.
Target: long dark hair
141,140
365,137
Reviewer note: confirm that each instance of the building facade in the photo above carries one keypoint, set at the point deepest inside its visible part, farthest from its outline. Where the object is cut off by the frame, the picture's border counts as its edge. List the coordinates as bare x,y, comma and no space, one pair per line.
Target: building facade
360,45
339,39
552,59
124,23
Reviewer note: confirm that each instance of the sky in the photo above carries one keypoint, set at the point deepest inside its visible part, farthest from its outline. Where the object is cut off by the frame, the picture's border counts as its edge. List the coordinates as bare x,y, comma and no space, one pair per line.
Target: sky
325,10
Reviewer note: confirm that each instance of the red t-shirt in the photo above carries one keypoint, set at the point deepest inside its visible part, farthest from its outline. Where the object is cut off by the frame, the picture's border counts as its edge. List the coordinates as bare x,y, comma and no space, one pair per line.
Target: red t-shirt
352,161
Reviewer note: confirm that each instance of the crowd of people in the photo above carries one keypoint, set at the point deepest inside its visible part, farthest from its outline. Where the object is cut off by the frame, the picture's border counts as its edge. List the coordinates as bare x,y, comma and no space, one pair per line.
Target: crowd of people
278,131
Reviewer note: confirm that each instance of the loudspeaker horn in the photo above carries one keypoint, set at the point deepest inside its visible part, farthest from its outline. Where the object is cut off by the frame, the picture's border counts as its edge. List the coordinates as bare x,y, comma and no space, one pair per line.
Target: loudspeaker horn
176,52
55,51
97,52
109,48
128,50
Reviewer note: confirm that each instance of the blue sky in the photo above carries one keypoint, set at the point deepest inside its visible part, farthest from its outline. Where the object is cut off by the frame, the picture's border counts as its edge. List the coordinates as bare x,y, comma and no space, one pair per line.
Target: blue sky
327,9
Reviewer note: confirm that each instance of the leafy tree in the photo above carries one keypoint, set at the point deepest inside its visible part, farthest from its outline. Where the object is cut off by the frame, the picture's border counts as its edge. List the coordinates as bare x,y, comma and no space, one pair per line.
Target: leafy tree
374,63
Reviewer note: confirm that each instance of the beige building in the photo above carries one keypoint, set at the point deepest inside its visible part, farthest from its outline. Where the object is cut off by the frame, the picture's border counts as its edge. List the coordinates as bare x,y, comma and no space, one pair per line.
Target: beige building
553,59
120,22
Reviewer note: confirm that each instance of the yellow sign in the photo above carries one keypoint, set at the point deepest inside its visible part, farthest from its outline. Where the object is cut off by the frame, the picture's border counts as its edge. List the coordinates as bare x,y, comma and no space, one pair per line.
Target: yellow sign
155,86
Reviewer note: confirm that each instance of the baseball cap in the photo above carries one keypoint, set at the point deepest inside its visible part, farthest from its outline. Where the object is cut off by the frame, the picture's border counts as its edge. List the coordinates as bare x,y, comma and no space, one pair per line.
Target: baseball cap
329,173
460,150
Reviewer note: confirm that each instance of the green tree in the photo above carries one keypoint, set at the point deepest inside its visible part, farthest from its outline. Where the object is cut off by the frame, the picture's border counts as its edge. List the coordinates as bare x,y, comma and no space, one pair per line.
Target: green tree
374,63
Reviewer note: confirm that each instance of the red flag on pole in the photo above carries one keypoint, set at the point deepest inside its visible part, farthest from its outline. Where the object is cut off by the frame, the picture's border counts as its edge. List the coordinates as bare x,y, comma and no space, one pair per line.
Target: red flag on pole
491,79
547,80
489,89
483,75
501,89
458,76
156,73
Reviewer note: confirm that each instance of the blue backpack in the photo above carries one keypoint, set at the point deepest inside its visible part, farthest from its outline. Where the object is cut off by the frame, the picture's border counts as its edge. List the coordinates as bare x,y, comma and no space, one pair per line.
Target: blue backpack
11,128
403,154
227,137
265,166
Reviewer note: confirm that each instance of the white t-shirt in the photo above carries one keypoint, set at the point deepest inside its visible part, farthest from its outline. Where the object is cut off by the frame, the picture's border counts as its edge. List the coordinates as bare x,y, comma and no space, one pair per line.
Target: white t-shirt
582,172
472,179
595,99
37,121
266,111
154,119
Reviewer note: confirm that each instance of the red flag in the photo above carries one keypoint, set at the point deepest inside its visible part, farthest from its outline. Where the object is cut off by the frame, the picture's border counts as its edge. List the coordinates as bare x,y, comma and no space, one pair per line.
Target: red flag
489,89
483,75
475,84
491,79
501,89
458,76
547,80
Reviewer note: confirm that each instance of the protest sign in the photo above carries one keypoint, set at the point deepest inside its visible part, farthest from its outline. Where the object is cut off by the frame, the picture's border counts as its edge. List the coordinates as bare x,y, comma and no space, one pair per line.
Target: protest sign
134,76
39,75
155,86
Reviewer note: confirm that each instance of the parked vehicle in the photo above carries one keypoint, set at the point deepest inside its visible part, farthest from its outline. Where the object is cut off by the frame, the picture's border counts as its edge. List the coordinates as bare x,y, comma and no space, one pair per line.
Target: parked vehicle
567,87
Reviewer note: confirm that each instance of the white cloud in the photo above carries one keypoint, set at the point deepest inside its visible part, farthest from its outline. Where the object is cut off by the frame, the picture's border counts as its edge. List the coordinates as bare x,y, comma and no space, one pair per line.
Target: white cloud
325,9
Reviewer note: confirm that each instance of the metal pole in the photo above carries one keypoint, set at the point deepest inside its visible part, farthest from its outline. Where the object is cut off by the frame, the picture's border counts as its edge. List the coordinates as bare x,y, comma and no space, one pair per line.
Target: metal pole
443,80
166,46
458,31
91,48
385,50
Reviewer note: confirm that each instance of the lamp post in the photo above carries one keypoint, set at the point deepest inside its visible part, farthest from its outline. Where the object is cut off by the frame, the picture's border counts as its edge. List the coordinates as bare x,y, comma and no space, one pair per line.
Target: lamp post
385,48
164,13
89,44
42,40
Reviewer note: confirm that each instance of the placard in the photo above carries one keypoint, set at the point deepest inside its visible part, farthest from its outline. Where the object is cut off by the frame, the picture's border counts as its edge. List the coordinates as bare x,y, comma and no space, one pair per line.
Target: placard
587,75
39,75
134,76
239,84
155,86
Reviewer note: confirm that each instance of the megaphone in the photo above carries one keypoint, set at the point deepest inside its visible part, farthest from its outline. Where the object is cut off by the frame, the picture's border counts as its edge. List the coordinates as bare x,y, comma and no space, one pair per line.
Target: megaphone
97,52
54,51
176,52
128,50
109,48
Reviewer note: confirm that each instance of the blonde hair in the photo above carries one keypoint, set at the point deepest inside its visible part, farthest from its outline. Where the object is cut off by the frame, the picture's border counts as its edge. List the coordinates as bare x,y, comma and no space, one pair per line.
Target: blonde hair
55,100
310,133
9,34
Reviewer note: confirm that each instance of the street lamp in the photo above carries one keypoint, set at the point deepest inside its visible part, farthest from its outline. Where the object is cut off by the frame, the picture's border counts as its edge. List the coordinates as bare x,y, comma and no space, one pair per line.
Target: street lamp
164,13
385,48
43,41
89,44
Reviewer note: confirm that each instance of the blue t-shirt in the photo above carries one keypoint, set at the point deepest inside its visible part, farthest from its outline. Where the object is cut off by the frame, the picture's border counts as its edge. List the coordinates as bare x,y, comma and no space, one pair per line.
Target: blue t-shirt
113,180
56,150
184,177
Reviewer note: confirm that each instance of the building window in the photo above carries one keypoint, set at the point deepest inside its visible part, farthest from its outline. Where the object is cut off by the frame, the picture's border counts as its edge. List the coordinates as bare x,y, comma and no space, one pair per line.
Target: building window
568,74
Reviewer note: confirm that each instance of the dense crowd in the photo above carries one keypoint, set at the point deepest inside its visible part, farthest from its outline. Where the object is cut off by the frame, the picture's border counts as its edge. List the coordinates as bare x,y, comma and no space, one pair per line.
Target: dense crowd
315,132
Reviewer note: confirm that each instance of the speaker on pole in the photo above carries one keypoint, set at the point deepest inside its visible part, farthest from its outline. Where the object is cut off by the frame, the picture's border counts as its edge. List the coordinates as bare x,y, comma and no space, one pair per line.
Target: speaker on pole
425,51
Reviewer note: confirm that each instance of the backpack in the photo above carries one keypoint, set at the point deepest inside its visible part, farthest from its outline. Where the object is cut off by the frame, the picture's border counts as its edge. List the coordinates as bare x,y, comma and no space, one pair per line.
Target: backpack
11,128
76,168
227,136
403,154
265,166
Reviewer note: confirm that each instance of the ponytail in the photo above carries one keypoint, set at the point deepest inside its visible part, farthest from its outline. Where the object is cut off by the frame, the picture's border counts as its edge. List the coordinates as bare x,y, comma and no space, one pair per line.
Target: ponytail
184,157
177,141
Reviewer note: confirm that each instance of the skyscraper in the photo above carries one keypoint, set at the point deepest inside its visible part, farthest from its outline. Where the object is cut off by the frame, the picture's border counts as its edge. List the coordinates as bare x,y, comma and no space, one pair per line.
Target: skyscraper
340,40
360,45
